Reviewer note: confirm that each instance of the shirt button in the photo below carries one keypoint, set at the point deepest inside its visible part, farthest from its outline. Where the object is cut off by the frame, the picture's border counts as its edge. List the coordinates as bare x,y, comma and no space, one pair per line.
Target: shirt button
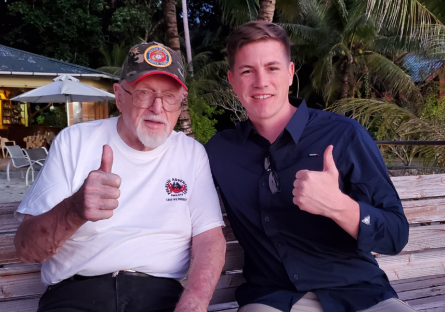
296,276
279,244
264,183
266,218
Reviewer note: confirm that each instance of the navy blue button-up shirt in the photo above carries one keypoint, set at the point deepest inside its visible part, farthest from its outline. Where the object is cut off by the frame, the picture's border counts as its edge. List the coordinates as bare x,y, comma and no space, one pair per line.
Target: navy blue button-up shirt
289,252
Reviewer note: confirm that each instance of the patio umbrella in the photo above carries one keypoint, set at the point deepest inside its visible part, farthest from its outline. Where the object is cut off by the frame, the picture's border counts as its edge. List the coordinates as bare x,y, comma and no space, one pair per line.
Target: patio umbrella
64,89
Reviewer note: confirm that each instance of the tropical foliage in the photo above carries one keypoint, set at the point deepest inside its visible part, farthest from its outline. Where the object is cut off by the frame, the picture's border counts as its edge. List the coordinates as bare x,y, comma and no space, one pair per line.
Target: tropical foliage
352,56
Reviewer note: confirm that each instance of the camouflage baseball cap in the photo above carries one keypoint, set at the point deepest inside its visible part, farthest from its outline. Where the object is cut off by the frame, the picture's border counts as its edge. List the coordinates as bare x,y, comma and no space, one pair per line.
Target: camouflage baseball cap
152,58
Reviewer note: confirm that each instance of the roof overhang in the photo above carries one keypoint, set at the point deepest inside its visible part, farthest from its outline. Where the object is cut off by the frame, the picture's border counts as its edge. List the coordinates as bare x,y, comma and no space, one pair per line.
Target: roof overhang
104,76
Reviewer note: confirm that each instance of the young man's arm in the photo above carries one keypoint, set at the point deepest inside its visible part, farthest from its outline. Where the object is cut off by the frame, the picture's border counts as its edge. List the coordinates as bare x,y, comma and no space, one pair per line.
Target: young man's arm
39,237
372,212
208,256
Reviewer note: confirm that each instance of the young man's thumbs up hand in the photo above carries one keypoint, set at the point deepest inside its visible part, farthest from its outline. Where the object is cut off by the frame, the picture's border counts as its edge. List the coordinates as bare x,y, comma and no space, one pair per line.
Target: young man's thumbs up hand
315,191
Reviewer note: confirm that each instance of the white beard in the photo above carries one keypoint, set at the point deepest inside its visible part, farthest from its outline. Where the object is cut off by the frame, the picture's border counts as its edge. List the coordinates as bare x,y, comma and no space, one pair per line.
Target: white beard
152,140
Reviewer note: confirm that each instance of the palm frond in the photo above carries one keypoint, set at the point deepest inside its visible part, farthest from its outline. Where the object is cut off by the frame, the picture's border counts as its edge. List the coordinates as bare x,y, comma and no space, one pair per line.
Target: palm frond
292,10
214,69
435,46
437,7
410,17
237,12
389,74
322,72
307,33
111,70
395,121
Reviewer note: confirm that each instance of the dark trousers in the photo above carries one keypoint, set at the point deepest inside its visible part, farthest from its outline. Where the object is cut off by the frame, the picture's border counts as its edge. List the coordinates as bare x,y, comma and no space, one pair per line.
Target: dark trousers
127,292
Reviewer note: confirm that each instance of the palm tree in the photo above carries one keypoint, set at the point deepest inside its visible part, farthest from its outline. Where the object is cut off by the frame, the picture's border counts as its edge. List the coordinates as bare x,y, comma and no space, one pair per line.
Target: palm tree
347,42
169,11
414,26
237,12
113,59
267,10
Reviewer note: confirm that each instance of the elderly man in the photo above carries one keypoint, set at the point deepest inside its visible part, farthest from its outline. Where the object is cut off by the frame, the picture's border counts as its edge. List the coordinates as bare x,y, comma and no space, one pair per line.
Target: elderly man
306,192
119,203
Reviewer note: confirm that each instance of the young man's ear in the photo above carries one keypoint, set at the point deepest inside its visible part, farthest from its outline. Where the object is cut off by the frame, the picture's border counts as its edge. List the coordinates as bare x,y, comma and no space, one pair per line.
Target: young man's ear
291,71
229,76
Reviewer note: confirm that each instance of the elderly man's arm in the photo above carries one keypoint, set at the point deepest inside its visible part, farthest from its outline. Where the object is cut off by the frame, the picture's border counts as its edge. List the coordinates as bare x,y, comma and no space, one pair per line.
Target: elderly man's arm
39,237
208,255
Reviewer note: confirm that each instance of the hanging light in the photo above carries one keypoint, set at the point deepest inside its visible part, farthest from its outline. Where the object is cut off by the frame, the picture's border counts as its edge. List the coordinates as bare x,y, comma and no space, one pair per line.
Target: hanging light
51,107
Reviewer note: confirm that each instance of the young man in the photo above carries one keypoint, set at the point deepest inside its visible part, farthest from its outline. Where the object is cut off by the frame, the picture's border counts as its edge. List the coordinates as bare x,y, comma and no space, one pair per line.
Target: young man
306,192
119,202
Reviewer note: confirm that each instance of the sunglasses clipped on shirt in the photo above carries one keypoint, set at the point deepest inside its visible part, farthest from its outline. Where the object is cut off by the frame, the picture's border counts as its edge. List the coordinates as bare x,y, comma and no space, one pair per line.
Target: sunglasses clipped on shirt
274,184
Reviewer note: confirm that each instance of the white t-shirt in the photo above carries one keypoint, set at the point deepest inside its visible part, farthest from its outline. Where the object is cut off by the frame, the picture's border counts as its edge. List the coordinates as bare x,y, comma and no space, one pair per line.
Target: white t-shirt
167,197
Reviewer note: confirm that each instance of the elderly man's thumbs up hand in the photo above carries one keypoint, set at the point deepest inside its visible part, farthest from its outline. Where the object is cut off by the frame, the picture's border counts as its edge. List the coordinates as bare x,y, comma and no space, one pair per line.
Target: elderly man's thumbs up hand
318,192
97,198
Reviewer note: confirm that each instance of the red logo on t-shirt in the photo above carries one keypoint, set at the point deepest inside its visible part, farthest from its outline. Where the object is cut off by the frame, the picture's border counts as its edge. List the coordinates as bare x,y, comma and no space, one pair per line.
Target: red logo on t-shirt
175,187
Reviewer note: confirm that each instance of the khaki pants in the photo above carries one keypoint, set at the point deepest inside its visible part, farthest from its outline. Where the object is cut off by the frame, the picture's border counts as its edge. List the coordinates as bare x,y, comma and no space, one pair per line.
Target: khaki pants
310,303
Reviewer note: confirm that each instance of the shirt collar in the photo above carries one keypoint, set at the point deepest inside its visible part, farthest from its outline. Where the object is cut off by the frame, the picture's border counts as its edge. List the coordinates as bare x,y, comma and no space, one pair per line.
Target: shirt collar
295,125
298,122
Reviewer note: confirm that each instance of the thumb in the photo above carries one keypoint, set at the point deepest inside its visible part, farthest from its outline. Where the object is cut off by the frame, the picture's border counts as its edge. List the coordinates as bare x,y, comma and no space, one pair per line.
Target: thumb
107,159
328,160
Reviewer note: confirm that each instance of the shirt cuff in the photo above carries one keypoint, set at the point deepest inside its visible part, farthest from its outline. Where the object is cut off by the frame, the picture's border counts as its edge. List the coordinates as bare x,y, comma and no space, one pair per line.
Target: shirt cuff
371,230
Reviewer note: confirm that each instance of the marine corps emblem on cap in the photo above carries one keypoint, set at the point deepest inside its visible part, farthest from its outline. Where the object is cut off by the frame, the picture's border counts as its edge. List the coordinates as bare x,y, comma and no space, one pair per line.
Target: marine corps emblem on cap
157,56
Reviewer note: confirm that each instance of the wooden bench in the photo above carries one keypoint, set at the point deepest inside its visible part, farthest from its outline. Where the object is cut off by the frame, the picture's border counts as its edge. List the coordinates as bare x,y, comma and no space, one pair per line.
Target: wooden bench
417,273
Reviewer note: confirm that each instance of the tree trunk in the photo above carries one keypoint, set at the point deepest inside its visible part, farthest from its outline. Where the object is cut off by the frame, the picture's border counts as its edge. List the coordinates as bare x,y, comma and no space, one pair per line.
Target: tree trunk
169,10
31,116
267,9
345,79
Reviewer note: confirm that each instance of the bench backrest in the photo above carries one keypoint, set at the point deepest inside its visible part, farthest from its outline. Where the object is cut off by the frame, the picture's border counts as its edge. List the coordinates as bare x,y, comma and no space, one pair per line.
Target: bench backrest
423,200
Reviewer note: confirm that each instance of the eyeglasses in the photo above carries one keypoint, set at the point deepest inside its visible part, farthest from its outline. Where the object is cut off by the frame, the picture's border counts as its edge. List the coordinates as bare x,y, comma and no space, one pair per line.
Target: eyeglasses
146,98
274,184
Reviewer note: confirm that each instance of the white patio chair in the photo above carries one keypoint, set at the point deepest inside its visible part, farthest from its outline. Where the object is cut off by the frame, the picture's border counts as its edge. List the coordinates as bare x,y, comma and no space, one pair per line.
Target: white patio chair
3,145
18,159
37,158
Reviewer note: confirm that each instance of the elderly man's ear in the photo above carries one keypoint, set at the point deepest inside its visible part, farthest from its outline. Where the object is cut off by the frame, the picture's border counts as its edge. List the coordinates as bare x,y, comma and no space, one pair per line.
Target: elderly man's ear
184,95
118,94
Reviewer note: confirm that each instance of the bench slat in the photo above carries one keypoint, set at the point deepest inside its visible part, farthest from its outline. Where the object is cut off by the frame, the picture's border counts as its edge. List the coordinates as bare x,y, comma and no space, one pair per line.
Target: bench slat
229,306
21,285
423,238
23,305
8,223
19,268
424,210
430,304
403,266
223,295
7,249
422,293
422,186
234,257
